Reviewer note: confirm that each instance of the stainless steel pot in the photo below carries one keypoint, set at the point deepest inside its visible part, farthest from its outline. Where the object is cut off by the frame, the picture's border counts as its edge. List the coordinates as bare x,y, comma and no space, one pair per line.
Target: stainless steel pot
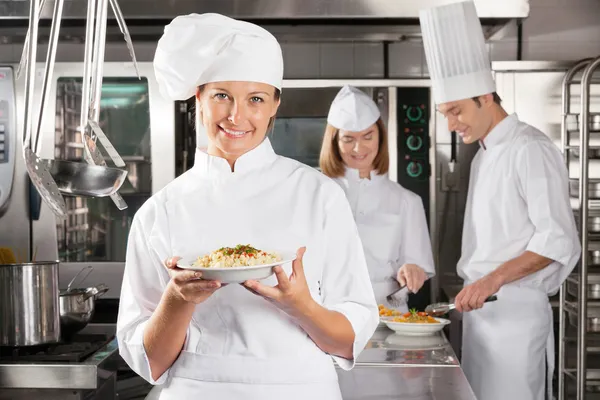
77,308
29,310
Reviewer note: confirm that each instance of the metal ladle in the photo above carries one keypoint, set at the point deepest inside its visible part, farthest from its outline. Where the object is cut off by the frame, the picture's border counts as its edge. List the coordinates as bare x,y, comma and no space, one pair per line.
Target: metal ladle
53,177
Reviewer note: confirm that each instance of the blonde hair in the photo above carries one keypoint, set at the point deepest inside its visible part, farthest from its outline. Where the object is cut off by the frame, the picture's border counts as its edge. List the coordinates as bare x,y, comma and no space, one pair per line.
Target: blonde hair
330,159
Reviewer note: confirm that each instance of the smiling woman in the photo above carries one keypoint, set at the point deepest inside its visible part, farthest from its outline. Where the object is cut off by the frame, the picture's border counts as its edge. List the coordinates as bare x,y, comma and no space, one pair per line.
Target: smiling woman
196,335
236,116
391,219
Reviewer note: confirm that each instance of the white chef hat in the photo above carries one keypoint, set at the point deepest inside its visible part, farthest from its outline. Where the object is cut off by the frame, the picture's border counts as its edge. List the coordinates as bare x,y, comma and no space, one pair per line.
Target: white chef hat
352,110
457,58
201,48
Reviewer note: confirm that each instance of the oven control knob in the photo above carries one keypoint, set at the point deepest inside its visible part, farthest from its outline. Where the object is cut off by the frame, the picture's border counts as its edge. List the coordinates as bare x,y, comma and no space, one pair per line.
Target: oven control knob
414,142
414,169
414,114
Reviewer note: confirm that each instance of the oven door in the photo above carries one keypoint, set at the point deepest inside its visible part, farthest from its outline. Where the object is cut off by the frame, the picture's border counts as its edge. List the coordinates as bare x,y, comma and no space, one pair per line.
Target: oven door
139,123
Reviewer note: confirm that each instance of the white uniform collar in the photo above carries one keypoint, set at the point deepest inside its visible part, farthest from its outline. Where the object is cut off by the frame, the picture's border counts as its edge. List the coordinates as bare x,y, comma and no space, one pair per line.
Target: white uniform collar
260,156
354,175
500,132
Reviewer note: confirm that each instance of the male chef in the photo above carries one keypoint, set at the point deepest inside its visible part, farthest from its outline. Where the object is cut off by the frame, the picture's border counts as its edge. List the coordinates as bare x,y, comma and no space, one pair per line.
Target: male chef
519,236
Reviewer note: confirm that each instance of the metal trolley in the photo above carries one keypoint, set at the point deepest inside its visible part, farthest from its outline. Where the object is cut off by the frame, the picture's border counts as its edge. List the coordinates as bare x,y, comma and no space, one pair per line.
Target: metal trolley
579,336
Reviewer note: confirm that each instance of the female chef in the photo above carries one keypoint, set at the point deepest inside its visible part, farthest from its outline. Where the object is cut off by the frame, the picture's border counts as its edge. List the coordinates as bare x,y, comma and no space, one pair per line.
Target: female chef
259,340
390,219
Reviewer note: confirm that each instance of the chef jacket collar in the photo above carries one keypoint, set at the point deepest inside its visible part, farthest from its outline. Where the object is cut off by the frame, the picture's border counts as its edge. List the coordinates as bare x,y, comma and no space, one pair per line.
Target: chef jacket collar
354,176
501,132
262,155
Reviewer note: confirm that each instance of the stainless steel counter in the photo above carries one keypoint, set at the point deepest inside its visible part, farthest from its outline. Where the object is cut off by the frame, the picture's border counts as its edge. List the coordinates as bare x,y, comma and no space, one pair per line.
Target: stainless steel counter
83,375
399,367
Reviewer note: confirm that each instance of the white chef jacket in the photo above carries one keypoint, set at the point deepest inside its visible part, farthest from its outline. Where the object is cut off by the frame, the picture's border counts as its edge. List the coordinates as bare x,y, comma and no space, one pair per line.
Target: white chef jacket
518,200
239,344
393,229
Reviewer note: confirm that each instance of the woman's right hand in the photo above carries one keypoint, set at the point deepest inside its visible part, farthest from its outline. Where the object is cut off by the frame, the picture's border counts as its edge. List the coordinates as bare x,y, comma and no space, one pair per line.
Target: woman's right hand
188,285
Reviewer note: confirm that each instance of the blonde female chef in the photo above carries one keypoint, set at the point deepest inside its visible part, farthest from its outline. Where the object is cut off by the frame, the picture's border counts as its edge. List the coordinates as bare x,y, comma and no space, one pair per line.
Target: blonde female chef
390,219
263,340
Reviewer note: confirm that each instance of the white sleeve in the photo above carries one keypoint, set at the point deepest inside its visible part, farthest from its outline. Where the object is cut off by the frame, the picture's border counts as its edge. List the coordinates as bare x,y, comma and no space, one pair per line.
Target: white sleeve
346,286
544,183
415,241
144,282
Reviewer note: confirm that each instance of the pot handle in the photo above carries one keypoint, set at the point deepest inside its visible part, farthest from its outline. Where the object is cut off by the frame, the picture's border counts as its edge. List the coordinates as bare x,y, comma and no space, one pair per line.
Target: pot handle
95,291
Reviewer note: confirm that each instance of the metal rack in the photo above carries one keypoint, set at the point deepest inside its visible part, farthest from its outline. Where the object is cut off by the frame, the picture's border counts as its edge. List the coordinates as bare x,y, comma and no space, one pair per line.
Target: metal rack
574,303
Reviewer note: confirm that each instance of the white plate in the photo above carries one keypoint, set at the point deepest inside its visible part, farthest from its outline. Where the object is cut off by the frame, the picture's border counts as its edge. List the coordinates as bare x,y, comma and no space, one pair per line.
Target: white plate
412,329
240,274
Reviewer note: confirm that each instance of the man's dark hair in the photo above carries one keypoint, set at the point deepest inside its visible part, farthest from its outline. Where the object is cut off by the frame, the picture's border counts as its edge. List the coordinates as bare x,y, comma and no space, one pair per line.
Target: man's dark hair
497,99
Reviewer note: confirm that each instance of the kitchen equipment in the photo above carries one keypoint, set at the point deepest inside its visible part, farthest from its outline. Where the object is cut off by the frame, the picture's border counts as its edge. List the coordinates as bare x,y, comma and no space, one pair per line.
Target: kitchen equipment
78,179
8,134
593,284
572,122
393,301
77,308
29,309
593,220
592,319
438,309
77,305
37,168
593,188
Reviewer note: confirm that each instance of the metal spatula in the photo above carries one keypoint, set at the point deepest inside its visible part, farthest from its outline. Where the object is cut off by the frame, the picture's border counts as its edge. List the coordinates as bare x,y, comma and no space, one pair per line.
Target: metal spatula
438,309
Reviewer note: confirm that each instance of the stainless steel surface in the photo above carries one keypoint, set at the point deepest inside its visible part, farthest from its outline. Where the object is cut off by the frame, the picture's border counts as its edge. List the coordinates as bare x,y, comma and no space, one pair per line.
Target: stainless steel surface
593,291
386,348
592,318
36,168
49,68
582,205
415,383
273,9
125,31
92,153
77,307
572,122
29,304
593,190
439,309
79,179
65,375
583,223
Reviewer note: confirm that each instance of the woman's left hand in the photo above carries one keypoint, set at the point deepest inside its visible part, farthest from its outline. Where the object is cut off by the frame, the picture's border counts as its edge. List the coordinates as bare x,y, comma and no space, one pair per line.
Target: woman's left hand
292,294
412,276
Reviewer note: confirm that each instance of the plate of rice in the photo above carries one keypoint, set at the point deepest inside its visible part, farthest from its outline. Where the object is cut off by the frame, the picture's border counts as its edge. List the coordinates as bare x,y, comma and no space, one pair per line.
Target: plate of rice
238,264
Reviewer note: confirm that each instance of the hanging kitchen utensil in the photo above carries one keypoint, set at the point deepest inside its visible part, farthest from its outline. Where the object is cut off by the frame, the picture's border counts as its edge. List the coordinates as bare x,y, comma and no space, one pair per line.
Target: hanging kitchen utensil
37,169
123,27
51,177
438,309
92,92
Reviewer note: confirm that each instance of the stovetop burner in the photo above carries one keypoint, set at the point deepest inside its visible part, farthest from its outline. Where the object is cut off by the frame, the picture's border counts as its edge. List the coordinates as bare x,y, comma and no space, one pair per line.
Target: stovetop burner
76,350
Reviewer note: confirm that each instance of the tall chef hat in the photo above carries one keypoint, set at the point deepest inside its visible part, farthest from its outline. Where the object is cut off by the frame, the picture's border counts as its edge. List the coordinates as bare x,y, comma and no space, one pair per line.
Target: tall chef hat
352,110
457,58
201,48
